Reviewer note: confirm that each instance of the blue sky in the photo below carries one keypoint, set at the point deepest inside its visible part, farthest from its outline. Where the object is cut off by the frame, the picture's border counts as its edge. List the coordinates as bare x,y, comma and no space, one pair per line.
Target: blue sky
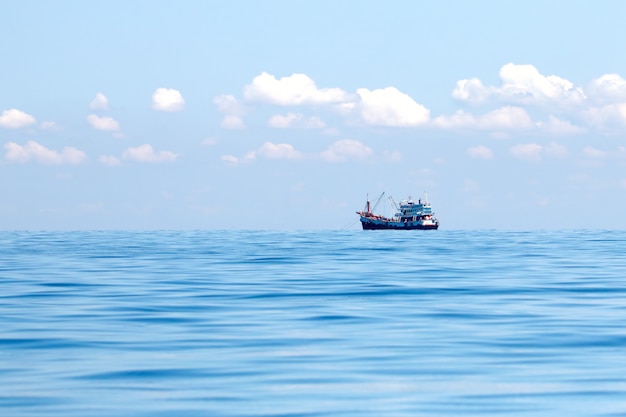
286,115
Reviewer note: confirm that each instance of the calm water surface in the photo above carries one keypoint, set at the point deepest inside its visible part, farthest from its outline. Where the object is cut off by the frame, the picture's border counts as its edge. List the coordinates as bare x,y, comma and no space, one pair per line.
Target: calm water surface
350,323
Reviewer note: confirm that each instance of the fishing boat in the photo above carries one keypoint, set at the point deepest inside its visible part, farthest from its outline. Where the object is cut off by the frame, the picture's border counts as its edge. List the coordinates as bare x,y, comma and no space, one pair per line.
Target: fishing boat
410,215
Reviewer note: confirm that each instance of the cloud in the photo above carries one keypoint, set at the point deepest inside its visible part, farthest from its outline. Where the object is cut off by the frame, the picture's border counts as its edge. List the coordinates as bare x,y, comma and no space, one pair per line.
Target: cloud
145,153
594,153
228,104
110,160
521,84
607,89
210,141
232,122
167,99
233,109
268,150
606,117
100,102
480,152
504,118
527,151
297,89
51,126
39,153
295,120
344,149
15,119
555,126
103,123
534,152
390,107
278,151
233,160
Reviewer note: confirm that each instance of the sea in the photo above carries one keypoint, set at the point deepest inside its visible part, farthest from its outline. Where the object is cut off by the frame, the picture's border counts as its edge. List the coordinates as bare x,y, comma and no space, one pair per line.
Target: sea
313,323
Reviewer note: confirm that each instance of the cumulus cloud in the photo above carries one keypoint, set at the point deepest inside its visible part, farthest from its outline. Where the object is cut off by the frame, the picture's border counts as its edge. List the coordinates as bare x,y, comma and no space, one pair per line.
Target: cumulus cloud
15,119
521,84
534,152
609,88
295,120
145,153
210,141
228,104
594,152
109,160
39,153
51,126
167,99
345,149
278,151
268,150
480,152
606,117
297,89
556,126
233,110
100,102
505,118
527,151
390,107
234,160
103,123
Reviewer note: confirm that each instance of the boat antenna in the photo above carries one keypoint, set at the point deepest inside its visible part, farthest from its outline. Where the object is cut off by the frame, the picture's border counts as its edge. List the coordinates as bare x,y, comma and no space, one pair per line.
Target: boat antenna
378,201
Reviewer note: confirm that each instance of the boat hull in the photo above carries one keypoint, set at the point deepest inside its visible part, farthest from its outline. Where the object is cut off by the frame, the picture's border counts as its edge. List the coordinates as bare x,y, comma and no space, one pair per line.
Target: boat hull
376,224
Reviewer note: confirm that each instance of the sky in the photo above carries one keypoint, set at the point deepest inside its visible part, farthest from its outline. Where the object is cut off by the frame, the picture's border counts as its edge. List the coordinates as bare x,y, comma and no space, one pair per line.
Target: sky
284,115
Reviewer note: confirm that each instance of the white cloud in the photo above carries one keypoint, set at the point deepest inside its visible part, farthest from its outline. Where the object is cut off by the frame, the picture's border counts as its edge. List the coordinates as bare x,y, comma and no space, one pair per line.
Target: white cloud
103,123
109,160
297,89
210,141
228,104
232,122
480,152
344,149
51,126
605,117
233,109
594,153
295,120
39,153
390,107
521,84
145,153
609,88
100,102
534,152
233,160
527,151
555,150
15,119
278,151
507,118
472,91
167,99
556,126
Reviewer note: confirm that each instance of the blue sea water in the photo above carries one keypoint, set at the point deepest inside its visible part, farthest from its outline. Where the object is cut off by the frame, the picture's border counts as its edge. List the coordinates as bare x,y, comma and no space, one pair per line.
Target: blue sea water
320,323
